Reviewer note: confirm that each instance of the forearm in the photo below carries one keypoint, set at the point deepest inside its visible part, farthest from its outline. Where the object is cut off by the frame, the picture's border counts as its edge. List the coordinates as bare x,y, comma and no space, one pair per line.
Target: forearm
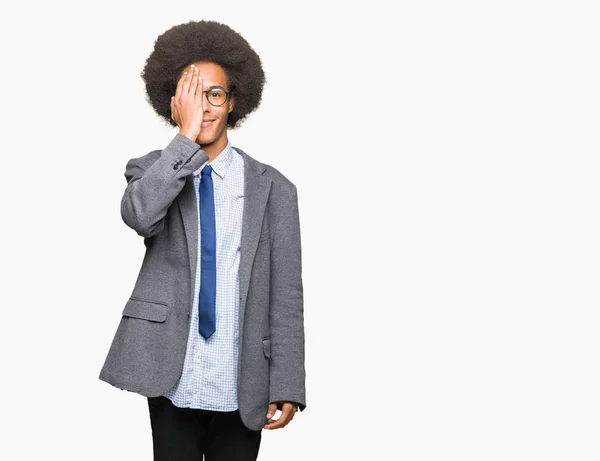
287,371
151,191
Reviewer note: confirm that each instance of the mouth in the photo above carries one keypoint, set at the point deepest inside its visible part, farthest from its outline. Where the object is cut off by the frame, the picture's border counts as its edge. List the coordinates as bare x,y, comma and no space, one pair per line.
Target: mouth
207,123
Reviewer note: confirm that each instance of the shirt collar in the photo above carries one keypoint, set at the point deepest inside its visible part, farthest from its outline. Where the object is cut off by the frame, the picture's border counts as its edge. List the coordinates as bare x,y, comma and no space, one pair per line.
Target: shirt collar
220,163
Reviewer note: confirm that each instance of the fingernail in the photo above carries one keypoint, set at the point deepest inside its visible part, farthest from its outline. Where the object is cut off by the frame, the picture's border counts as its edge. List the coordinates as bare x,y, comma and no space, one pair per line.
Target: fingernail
269,415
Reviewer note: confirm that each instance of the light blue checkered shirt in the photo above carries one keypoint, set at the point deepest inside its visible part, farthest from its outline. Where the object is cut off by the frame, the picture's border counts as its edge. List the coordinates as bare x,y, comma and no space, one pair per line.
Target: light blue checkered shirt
209,379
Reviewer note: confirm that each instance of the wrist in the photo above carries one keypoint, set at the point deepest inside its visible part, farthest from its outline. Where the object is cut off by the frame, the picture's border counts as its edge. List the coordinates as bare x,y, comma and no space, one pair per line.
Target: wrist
189,134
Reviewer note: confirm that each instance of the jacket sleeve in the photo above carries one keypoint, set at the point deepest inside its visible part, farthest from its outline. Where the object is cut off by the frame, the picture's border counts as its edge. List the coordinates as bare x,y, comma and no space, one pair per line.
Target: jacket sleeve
287,371
154,183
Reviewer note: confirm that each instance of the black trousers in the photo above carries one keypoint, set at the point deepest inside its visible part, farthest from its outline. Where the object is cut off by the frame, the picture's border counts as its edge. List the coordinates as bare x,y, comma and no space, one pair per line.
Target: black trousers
185,434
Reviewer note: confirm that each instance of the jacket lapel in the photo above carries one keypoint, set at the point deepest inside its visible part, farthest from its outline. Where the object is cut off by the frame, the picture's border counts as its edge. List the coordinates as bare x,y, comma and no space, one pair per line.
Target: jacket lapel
189,214
256,192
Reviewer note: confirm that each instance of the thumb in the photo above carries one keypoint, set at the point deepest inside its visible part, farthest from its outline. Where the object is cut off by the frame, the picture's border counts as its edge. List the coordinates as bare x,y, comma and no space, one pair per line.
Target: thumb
173,109
271,410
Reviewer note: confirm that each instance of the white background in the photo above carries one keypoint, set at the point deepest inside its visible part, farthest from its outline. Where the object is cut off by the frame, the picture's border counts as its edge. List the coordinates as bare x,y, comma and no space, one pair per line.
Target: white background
446,159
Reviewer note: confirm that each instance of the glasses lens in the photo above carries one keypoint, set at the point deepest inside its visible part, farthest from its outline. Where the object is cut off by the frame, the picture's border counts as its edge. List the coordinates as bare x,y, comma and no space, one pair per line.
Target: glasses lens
217,97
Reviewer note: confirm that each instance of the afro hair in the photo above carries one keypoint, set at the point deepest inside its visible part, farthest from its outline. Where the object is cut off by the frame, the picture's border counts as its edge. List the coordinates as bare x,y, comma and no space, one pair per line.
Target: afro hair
210,41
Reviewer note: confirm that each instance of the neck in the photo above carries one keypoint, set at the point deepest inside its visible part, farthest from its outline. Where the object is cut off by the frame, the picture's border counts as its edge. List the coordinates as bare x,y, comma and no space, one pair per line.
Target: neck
213,149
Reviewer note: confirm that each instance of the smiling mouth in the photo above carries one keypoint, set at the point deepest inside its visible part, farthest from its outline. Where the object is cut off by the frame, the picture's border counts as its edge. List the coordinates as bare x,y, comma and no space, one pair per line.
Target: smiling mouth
207,123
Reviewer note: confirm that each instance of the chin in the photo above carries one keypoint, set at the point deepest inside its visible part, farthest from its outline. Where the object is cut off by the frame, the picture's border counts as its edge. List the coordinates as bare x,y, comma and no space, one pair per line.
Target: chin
203,141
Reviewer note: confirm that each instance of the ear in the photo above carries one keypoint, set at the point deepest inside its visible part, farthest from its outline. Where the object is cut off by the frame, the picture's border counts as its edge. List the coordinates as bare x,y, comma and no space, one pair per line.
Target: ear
231,103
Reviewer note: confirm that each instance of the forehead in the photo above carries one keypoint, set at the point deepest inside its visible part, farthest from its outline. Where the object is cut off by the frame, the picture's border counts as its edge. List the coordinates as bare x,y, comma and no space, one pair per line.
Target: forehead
211,73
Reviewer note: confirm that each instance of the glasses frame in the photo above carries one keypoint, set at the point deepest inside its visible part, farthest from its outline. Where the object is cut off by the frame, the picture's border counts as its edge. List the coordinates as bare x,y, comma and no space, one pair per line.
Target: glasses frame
214,87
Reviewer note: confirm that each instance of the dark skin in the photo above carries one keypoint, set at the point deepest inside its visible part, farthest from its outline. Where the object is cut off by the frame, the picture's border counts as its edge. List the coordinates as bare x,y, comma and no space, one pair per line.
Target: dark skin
191,110
288,410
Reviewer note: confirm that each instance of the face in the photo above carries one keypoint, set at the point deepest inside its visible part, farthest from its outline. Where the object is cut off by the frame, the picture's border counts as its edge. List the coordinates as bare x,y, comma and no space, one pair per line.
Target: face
214,133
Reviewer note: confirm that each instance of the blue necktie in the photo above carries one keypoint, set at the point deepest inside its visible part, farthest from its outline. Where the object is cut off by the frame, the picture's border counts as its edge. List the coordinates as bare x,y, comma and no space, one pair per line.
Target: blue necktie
208,252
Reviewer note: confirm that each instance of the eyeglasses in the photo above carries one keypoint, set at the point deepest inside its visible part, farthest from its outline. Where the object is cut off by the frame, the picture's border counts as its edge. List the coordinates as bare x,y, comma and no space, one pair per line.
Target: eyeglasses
217,95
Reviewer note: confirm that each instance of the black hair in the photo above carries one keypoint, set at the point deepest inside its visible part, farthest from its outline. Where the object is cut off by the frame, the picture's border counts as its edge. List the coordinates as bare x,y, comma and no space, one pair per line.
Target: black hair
208,41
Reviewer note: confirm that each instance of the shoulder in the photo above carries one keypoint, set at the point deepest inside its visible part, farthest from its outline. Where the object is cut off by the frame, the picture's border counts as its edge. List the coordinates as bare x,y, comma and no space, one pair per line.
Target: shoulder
279,181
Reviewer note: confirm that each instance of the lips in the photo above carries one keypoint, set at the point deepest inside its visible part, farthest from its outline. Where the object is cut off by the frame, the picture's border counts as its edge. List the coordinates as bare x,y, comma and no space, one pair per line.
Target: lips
207,123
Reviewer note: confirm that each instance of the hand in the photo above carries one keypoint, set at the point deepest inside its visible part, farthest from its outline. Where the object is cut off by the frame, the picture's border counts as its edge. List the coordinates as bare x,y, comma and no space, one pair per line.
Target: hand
288,410
187,106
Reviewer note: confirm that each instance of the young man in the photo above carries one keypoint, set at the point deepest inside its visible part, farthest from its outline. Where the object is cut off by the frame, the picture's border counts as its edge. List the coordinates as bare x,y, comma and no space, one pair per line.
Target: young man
213,333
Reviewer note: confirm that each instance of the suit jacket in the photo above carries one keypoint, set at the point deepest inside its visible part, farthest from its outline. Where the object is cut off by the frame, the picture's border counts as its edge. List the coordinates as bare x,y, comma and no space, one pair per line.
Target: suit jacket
148,349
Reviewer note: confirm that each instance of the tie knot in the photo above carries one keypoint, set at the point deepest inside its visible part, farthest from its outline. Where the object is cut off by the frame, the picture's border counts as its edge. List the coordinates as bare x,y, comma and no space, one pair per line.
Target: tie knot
207,169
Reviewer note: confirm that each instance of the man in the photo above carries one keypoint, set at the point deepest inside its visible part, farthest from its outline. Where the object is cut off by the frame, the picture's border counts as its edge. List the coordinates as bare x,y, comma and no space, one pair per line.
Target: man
213,332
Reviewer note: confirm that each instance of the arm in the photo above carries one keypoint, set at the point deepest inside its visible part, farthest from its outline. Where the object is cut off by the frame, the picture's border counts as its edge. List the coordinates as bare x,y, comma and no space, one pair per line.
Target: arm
287,372
152,189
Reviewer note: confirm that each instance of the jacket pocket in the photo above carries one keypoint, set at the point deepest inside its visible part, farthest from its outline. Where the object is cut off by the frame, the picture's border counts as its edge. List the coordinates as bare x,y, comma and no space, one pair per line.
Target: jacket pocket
155,311
267,347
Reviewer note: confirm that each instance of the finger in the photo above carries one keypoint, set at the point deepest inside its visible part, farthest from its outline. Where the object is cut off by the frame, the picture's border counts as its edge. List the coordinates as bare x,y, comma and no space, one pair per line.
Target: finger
199,87
182,88
185,88
271,410
203,101
277,424
202,94
287,413
179,84
194,82
289,410
174,114
182,80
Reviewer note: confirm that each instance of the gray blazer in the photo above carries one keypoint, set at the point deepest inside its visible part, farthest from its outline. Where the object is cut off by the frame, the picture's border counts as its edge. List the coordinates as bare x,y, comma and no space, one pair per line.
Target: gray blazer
148,350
